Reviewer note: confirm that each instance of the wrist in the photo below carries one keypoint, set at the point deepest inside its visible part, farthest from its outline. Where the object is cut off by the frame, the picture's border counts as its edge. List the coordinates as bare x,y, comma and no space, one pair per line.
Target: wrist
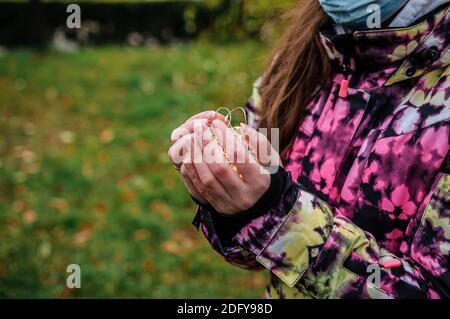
228,225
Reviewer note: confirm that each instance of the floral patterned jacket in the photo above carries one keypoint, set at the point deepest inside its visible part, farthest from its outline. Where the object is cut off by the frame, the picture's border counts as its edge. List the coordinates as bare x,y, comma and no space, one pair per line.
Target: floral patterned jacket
366,213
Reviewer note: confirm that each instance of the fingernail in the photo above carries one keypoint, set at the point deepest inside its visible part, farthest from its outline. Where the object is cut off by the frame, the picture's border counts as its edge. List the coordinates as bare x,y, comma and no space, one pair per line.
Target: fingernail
173,136
216,123
209,134
199,128
200,122
245,131
198,138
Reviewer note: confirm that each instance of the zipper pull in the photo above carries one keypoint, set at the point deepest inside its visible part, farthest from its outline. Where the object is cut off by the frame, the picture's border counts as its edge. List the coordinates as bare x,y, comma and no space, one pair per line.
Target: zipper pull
343,90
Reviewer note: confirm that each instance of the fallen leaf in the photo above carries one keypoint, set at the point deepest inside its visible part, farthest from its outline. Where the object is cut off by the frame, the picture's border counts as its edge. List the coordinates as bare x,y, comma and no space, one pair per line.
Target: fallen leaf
148,265
83,235
141,146
257,280
59,204
100,208
29,216
67,137
168,278
20,189
162,209
51,93
141,234
66,293
186,238
19,205
106,136
128,195
171,247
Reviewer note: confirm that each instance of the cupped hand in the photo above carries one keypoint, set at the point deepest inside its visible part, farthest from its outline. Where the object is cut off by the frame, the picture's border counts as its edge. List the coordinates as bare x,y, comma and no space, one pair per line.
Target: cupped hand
218,166
182,142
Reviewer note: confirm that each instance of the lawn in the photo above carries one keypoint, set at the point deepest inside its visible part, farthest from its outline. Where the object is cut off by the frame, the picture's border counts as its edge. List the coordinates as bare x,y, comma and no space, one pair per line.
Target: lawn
84,173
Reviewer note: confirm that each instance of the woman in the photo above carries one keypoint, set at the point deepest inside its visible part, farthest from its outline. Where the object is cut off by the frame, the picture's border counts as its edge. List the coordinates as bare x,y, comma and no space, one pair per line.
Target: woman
359,205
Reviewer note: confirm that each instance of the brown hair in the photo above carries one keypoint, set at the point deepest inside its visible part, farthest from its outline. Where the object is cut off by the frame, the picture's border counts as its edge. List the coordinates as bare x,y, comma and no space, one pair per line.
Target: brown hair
298,66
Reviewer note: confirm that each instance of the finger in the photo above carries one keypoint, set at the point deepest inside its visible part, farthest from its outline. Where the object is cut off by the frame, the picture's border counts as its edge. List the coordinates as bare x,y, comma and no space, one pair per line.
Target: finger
214,156
265,153
226,138
208,182
188,126
178,151
190,185
237,153
209,115
207,192
186,129
231,142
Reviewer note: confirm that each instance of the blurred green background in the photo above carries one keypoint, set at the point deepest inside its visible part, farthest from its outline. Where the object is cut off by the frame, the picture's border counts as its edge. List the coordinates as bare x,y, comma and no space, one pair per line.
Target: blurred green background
84,173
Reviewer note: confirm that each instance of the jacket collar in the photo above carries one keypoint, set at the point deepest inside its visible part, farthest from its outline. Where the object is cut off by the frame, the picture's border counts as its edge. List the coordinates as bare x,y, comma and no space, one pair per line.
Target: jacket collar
415,50
413,10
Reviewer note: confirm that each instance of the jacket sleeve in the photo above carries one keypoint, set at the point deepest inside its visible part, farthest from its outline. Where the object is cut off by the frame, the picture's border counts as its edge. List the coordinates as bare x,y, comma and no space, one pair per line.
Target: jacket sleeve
221,230
308,245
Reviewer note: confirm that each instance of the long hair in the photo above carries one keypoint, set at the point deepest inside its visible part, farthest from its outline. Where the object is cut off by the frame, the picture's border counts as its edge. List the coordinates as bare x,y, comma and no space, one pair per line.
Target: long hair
298,66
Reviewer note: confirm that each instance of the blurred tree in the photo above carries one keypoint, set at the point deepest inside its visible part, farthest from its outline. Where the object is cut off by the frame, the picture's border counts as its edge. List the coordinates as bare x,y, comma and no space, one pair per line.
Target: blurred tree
33,22
36,33
242,19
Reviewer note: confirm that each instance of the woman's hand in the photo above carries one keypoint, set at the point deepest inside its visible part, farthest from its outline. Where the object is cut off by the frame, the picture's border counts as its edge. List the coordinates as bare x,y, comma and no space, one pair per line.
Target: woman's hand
182,143
207,173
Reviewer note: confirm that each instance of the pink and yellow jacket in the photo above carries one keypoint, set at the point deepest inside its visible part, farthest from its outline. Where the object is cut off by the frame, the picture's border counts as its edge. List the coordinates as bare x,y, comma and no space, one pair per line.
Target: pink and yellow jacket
365,212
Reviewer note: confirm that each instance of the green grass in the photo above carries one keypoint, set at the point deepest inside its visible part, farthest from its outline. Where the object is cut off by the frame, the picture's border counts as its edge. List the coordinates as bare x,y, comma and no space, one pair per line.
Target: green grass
85,178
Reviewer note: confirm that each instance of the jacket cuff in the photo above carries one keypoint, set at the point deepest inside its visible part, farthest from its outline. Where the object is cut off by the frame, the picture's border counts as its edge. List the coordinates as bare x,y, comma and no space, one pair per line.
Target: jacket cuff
227,226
